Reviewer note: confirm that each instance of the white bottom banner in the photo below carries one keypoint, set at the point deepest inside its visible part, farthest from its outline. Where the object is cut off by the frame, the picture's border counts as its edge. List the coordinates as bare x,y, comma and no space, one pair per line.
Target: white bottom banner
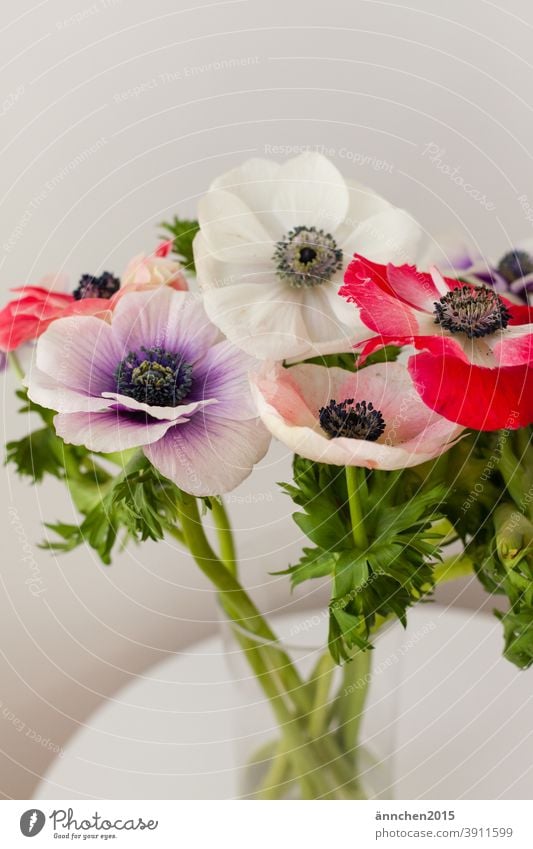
263,825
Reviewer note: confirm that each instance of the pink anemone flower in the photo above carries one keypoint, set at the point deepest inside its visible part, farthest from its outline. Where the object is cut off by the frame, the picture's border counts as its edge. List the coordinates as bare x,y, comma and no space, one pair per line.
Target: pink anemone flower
372,417
158,376
149,271
475,358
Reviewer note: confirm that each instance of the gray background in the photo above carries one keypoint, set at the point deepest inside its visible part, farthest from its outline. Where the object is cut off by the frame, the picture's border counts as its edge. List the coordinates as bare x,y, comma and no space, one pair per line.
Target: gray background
116,114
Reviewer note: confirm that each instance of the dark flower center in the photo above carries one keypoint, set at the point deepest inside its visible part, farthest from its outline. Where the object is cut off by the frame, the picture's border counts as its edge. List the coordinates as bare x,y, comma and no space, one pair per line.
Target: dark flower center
355,421
154,376
307,257
514,265
475,311
96,287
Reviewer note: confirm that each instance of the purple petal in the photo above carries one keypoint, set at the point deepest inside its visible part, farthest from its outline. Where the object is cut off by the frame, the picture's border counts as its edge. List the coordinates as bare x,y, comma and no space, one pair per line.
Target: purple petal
208,455
79,352
176,321
108,431
223,374
47,392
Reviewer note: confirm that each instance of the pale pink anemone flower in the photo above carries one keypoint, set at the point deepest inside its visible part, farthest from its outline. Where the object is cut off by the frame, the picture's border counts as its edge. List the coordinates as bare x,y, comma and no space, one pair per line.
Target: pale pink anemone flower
159,376
373,417
475,360
149,271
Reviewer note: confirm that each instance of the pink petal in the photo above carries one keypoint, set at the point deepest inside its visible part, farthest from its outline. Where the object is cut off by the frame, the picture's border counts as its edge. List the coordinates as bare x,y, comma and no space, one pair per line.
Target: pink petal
515,347
289,401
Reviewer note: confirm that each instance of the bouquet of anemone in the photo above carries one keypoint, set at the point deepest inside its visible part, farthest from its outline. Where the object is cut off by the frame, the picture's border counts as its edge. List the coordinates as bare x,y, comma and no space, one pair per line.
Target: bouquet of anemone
302,307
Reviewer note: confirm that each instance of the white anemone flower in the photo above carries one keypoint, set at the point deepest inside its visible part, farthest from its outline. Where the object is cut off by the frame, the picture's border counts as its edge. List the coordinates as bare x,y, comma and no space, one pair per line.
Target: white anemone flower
273,245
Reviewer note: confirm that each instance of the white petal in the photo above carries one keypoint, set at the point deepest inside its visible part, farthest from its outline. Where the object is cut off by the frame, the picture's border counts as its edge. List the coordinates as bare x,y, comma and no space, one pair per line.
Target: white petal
265,321
182,411
324,327
232,231
213,272
346,313
363,202
310,192
391,236
252,183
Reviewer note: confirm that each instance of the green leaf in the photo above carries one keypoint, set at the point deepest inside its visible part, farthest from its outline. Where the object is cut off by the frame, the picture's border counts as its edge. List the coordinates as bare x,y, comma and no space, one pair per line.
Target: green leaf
349,361
321,491
182,231
387,354
42,453
393,572
518,637
314,563
140,504
351,574
35,455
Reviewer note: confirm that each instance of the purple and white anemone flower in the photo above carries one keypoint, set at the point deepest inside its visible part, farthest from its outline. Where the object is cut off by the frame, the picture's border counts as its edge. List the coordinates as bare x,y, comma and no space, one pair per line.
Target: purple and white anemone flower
158,376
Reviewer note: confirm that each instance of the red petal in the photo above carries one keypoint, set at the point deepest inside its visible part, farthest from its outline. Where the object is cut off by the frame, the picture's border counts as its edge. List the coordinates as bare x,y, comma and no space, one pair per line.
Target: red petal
476,397
365,283
519,314
414,287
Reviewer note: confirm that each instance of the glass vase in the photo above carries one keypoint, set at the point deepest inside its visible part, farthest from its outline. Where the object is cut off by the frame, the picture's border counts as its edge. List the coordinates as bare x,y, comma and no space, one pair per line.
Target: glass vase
305,728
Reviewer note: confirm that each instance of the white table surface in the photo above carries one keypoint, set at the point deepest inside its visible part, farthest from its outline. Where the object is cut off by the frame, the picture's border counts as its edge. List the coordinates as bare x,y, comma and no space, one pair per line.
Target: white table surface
464,726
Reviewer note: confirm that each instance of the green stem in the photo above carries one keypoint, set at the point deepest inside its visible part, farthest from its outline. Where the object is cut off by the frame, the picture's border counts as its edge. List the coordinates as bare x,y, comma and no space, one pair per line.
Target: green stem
511,470
271,664
177,534
308,768
276,776
352,701
353,483
242,609
228,554
322,679
522,440
14,361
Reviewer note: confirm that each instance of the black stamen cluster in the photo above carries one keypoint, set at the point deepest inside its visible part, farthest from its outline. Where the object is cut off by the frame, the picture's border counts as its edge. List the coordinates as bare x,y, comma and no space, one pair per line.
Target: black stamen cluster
154,376
91,286
307,257
355,421
475,311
